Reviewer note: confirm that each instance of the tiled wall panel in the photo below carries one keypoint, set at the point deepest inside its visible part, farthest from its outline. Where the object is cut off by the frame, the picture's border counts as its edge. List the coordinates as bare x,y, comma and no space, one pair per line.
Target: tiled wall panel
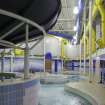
20,94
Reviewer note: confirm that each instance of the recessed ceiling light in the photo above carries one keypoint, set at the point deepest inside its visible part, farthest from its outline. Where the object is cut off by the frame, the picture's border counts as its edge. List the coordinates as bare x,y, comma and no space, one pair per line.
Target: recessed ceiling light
75,28
76,10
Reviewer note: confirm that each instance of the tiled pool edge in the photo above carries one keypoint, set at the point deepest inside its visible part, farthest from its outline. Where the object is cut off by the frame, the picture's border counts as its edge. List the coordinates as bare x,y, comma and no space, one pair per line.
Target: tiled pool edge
20,93
80,93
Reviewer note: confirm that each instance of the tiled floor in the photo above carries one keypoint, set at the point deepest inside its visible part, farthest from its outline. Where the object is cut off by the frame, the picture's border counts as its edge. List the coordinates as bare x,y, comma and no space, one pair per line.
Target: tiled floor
95,90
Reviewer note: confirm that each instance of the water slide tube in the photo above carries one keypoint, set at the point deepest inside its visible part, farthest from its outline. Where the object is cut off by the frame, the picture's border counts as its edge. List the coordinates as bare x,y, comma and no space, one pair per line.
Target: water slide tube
101,9
98,6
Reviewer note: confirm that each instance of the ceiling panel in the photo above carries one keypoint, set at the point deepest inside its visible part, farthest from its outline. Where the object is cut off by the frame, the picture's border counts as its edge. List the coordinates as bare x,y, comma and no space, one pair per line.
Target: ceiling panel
66,20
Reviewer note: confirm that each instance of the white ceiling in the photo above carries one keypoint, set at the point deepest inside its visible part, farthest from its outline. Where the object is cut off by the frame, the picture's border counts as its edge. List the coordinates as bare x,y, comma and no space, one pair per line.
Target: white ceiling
66,20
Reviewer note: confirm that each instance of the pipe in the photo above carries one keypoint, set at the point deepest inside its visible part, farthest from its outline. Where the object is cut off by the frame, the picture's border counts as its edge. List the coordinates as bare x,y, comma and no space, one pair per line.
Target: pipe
44,53
90,40
25,20
94,12
2,61
37,43
12,30
98,6
9,44
26,54
93,40
80,63
87,45
63,42
84,39
101,9
11,61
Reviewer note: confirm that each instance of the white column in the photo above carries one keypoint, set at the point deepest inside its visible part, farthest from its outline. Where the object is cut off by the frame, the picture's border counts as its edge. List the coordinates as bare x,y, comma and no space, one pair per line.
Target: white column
90,40
11,61
97,73
84,39
26,55
92,69
44,43
2,63
62,65
80,58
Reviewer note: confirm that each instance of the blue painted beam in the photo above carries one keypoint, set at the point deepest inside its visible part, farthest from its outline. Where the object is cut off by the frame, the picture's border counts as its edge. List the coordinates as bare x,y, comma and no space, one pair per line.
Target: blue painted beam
66,36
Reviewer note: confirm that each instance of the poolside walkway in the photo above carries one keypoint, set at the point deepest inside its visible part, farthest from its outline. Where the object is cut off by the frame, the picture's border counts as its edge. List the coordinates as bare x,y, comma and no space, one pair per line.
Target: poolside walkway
95,90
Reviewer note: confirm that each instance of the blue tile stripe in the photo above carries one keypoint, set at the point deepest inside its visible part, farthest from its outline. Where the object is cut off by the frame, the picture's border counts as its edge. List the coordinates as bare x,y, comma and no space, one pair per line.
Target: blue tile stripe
14,94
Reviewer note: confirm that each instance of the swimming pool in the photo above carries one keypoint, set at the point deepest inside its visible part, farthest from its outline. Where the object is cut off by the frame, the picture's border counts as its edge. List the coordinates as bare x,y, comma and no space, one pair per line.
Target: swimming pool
76,78
55,95
61,79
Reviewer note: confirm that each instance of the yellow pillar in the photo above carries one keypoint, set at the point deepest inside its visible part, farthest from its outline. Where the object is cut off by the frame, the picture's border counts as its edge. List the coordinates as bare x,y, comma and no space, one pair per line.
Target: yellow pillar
63,43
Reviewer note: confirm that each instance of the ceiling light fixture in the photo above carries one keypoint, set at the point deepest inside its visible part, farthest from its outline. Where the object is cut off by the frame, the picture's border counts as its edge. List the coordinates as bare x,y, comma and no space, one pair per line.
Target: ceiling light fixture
76,10
75,28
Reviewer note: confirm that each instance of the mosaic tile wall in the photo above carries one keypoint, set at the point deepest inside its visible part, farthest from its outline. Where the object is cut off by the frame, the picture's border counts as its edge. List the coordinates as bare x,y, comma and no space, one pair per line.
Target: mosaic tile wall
20,94
103,76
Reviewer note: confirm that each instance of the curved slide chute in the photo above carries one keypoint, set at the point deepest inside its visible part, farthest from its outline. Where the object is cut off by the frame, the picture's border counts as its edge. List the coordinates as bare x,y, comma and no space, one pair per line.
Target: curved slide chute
42,12
97,7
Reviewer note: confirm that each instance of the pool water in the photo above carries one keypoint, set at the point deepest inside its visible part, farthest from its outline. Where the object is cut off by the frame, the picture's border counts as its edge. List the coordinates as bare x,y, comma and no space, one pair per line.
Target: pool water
61,79
55,95
75,78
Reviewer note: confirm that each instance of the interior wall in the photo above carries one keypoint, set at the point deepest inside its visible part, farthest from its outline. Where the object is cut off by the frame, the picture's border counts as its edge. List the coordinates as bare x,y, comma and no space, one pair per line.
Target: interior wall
52,45
38,49
72,51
